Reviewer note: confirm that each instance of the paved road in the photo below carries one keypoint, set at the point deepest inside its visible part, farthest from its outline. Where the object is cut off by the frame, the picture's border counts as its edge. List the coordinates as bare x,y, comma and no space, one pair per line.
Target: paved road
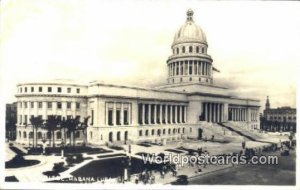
282,174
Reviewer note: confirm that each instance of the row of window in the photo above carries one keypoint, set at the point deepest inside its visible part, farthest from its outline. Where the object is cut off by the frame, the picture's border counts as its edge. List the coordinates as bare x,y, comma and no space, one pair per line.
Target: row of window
189,49
191,79
48,136
190,68
284,118
161,132
27,118
49,89
49,105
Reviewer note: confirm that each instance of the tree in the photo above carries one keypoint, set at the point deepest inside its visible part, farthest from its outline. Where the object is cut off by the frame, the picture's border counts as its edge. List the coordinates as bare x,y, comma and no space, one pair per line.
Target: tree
52,124
83,126
71,125
36,123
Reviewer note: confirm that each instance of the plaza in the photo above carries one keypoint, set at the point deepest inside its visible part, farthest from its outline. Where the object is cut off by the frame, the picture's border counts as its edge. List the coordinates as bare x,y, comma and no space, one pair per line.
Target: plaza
84,128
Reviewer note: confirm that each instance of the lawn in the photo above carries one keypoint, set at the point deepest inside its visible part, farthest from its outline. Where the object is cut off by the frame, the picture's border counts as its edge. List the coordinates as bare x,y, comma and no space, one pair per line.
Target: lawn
112,168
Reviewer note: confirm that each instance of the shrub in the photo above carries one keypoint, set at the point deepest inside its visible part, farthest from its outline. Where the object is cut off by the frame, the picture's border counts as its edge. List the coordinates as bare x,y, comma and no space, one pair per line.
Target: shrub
73,159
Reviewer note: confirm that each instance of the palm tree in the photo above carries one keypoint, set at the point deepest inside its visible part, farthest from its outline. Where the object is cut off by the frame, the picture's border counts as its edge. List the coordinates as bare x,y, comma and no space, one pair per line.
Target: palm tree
72,126
52,124
83,126
36,122
64,126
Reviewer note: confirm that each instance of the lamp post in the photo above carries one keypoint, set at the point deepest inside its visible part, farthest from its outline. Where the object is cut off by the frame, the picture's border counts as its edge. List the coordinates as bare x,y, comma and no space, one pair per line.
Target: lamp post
44,140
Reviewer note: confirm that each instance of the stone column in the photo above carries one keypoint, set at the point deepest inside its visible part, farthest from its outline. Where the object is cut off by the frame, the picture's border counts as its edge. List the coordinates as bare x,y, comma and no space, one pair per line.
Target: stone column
122,114
206,111
176,114
143,114
210,112
114,114
45,108
185,114
160,114
171,114
166,113
188,68
155,114
180,114
149,113
218,112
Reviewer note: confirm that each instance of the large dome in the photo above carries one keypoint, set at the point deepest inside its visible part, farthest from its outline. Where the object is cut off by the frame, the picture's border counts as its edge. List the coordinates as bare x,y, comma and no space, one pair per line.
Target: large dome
189,32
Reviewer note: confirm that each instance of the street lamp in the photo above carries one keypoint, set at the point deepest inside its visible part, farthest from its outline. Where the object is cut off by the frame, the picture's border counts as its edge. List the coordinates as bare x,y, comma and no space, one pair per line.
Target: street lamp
44,140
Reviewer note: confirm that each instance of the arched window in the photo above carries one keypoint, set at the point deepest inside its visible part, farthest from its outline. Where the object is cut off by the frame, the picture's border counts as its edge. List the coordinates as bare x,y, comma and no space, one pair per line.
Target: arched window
191,49
174,131
147,132
152,132
77,134
118,136
164,131
202,50
48,135
140,133
126,136
39,135
183,49
110,137
91,134
20,134
183,130
24,135
58,135
197,49
158,132
178,130
177,50
30,135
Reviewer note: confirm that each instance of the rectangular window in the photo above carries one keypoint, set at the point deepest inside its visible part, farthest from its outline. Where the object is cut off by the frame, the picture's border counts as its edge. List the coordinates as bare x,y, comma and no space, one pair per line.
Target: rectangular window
110,117
125,115
78,90
40,104
69,116
32,89
68,105
78,117
118,117
40,116
58,105
31,104
92,119
20,89
25,104
40,89
25,119
59,117
140,133
49,105
58,89
20,119
77,105
20,104
69,90
49,89
25,89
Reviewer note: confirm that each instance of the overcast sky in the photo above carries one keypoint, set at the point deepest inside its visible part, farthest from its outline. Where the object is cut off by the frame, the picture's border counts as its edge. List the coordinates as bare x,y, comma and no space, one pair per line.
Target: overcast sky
255,45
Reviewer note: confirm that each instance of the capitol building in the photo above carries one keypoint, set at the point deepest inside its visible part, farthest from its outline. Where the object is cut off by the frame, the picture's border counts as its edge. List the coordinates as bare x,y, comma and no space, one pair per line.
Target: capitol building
187,105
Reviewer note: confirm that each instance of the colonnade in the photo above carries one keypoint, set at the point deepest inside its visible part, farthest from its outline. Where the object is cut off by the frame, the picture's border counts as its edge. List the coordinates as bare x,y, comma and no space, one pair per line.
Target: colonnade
161,113
213,112
190,67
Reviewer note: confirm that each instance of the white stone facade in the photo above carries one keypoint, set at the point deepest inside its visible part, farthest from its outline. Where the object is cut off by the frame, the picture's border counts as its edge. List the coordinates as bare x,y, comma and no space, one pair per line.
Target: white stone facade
120,114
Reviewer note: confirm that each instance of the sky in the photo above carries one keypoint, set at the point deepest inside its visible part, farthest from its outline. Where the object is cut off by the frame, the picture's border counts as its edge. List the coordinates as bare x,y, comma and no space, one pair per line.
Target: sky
255,44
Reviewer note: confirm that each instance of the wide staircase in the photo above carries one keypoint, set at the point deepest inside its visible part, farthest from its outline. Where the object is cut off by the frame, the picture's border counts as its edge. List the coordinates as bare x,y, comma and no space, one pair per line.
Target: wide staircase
219,132
234,130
